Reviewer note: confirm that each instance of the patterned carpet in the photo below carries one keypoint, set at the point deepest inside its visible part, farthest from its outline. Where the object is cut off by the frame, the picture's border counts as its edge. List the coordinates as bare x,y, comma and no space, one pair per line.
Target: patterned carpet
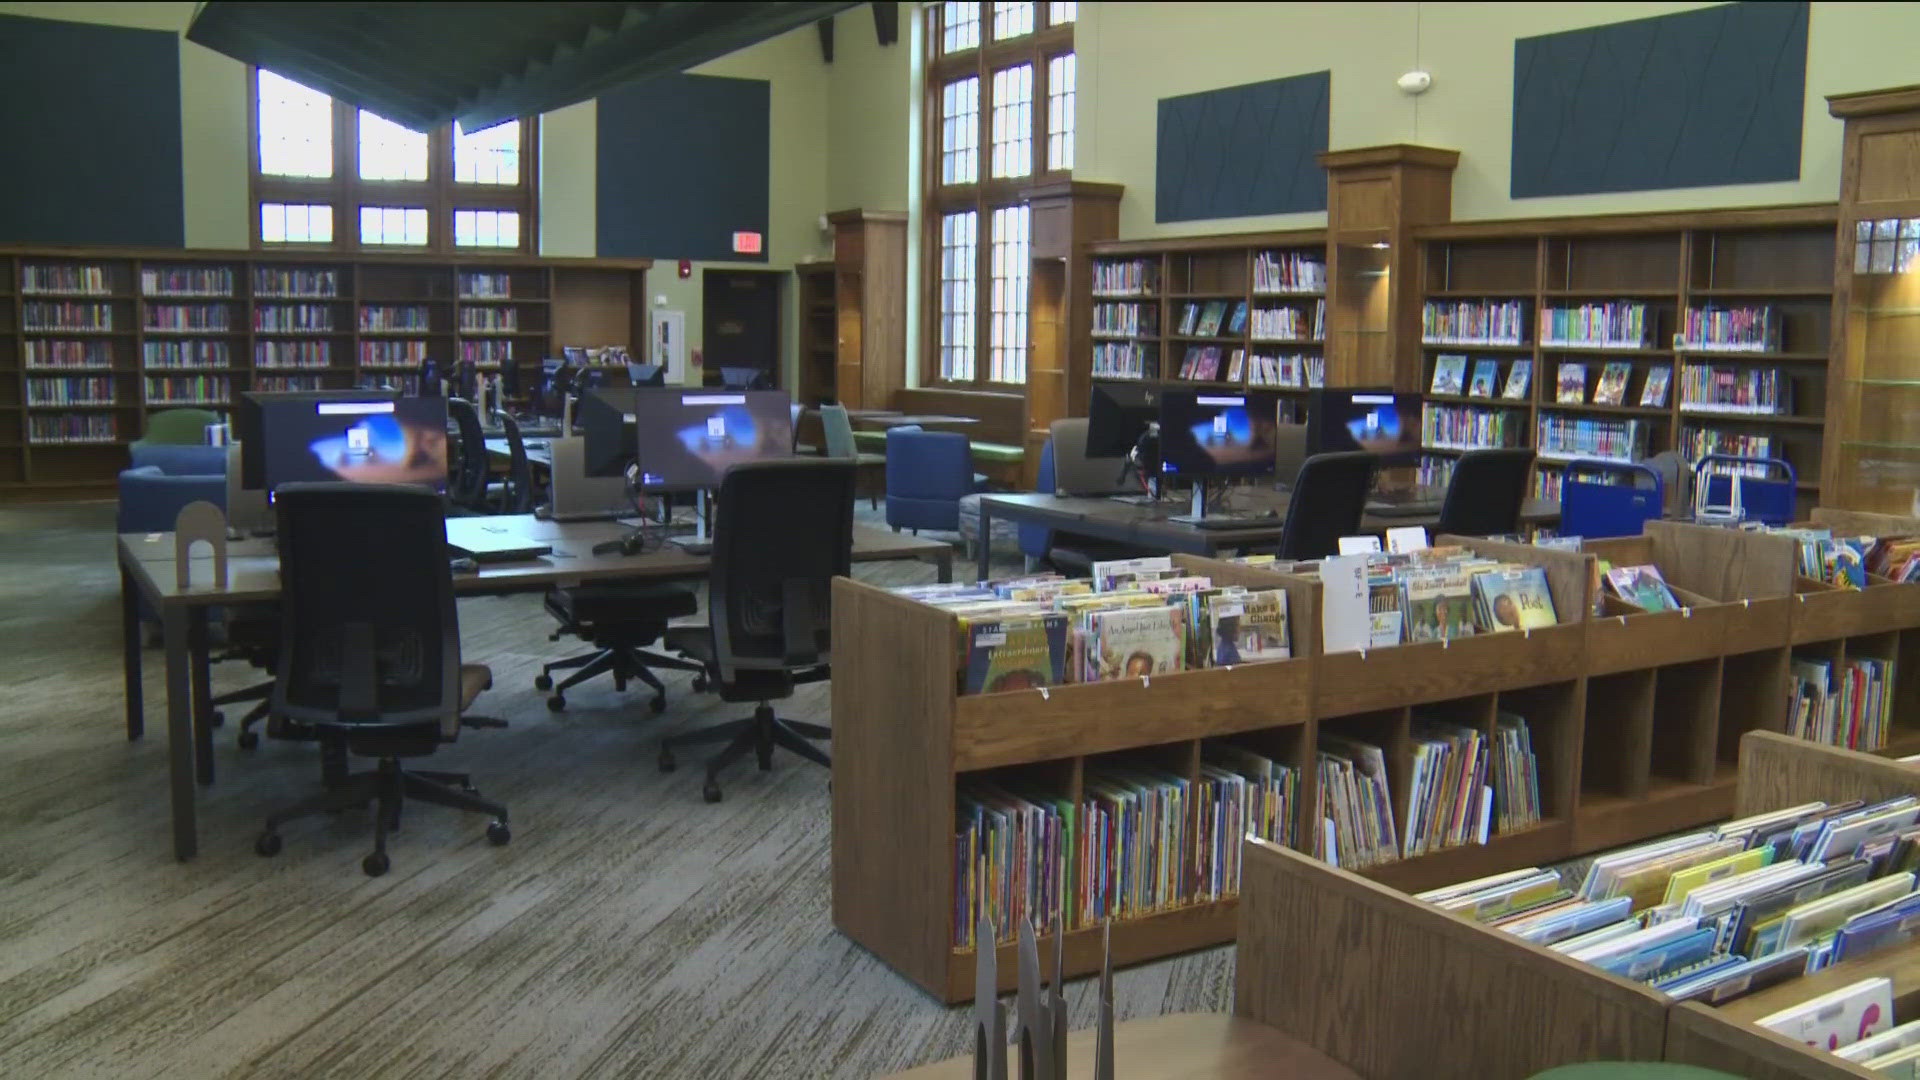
629,930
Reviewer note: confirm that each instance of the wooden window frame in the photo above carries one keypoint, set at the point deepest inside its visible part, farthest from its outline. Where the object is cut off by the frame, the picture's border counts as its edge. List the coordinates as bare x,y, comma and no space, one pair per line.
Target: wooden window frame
986,193
440,194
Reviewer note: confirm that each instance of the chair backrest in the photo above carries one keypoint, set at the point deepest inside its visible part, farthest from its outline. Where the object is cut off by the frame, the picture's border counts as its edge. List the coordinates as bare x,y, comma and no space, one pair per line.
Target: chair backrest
1073,471
1328,499
1485,492
928,464
468,485
1289,450
837,430
180,427
1676,480
783,531
370,636
519,495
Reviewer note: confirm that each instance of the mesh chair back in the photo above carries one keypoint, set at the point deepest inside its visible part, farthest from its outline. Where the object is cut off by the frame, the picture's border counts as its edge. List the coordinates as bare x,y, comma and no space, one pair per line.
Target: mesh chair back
1485,492
837,430
783,531
519,493
368,628
1328,499
468,485
1073,471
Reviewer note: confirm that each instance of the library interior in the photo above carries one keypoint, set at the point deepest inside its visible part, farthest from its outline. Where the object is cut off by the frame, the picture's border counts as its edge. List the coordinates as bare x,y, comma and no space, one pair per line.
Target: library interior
1347,540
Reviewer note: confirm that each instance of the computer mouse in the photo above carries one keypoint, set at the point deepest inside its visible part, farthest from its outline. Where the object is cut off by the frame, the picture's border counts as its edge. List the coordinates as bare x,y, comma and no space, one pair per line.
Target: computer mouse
464,566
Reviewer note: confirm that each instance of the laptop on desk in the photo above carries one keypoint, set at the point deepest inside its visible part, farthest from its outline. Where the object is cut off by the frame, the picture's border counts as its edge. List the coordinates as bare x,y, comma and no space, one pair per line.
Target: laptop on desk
486,540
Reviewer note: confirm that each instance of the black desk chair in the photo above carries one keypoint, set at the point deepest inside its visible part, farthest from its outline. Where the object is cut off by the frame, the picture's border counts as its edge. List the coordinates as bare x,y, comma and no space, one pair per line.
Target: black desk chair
370,657
467,486
1328,499
620,620
784,532
514,495
1485,492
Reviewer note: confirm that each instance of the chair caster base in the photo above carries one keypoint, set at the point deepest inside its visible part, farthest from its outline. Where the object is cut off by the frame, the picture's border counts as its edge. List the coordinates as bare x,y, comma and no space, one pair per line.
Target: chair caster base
267,845
498,833
556,703
375,864
249,740
219,718
710,792
658,704
543,681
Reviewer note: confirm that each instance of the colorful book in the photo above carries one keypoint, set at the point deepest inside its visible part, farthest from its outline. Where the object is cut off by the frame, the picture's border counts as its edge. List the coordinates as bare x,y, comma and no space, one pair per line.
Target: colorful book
1016,654
1612,387
1653,392
1519,380
1571,387
1134,642
1514,599
1837,1019
1449,374
1643,587
1486,375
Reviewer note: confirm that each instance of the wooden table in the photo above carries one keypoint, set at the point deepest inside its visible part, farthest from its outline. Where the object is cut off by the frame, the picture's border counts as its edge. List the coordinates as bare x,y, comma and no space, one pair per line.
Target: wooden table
1147,526
1184,1046
253,576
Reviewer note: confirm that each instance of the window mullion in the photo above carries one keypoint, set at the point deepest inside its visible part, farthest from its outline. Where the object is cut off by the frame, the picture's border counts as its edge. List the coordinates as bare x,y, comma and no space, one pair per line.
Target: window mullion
983,221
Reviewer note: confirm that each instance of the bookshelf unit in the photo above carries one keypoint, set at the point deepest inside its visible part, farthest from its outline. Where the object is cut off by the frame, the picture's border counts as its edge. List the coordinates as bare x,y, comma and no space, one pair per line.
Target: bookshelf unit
1647,273
818,327
91,341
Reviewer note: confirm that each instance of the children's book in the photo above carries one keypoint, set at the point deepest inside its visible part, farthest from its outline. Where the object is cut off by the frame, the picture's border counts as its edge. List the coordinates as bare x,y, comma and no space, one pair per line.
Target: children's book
1519,380
1642,586
1571,388
1612,387
1486,374
1449,374
1514,599
1016,654
1132,642
1653,392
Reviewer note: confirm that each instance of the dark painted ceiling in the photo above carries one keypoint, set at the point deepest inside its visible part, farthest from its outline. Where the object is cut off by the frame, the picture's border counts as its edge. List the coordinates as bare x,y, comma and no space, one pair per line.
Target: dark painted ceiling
421,64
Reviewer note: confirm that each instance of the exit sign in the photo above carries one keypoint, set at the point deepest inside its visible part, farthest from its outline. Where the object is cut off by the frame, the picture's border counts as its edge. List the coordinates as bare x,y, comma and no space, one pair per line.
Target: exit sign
746,243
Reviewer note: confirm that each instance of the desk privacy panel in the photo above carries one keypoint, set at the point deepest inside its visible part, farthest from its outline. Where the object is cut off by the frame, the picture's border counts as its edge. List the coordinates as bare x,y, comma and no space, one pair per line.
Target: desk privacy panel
1698,98
1243,150
683,165
90,122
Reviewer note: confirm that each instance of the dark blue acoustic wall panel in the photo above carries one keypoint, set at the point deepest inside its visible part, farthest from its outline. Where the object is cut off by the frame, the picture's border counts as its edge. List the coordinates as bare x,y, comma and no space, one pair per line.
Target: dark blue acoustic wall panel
1243,150
90,126
1713,96
683,166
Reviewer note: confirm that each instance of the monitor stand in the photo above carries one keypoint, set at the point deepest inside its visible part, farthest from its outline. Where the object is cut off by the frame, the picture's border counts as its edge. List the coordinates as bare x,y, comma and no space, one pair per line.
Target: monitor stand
699,543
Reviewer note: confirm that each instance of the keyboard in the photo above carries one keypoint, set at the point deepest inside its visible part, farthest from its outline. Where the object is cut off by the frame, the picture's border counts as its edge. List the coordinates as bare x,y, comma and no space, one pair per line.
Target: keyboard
1225,521
1406,508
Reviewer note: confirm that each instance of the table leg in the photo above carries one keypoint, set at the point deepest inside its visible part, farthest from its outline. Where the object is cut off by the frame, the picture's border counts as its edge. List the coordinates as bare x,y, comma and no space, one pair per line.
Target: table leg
130,643
180,732
984,562
200,673
943,563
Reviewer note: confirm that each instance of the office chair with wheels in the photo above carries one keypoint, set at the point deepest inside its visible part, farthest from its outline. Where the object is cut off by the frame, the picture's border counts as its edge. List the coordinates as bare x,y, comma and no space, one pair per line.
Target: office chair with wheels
515,494
370,656
1485,492
620,619
467,485
785,531
1328,499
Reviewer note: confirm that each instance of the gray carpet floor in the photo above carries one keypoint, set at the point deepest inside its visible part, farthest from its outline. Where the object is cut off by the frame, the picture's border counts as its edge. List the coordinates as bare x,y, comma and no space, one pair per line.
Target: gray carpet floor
630,929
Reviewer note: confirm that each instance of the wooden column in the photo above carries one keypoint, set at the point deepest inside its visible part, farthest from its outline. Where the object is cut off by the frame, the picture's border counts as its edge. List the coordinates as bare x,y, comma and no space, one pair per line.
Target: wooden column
1067,215
1376,196
1871,454
870,306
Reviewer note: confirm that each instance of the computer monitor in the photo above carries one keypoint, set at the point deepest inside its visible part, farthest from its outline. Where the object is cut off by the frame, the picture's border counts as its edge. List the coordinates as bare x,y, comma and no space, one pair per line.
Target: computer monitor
1210,433
1116,415
370,438
743,378
1376,420
688,438
257,407
606,419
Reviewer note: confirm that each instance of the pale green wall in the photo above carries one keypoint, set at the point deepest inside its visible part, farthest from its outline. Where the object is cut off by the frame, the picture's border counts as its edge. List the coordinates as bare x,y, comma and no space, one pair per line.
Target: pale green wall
869,107
569,180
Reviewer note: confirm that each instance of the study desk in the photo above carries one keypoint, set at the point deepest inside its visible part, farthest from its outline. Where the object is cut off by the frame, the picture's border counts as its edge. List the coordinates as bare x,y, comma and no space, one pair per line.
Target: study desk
253,576
539,452
1147,526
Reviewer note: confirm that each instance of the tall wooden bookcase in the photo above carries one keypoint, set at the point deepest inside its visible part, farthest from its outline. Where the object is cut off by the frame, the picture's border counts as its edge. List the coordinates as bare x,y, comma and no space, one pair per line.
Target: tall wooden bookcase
92,340
870,306
819,329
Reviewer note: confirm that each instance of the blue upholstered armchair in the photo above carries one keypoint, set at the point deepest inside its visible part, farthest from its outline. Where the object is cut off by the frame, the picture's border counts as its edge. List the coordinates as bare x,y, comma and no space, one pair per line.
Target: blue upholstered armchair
928,472
165,477
1037,540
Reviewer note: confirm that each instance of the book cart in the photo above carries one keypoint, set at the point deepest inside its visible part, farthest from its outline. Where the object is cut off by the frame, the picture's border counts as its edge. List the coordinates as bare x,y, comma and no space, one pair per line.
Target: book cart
1392,986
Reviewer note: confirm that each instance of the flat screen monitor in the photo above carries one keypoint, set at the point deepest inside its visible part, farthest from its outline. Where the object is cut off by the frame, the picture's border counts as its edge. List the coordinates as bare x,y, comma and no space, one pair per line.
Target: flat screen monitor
1215,433
370,439
688,438
1378,421
606,419
1116,415
261,411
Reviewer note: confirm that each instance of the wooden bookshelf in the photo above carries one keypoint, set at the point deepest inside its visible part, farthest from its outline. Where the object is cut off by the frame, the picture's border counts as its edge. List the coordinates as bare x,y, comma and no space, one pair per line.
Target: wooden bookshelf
161,329
870,306
818,327
1780,258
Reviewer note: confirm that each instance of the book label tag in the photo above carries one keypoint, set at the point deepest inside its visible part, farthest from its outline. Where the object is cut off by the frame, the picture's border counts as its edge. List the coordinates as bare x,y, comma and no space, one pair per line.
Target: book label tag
1359,545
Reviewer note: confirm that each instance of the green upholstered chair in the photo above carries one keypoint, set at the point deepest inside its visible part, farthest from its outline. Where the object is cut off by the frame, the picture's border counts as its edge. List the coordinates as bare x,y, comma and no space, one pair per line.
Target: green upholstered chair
178,427
1631,1070
870,476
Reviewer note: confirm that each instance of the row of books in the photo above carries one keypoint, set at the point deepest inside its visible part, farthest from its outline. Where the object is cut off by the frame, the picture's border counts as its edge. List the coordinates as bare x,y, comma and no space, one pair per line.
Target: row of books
1848,704
1616,377
1203,362
1730,389
1126,277
1735,329
70,391
187,317
293,318
1450,377
1435,594
485,353
395,318
1211,318
70,428
476,285
1141,840
186,281
188,389
41,353
1696,443
408,354
1125,360
489,318
66,315
1721,913
1463,427
1587,437
1297,370
406,384
1290,323
280,384
1473,322
1619,324
295,281
1131,320
64,278
1287,272
280,355
1436,470
184,354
